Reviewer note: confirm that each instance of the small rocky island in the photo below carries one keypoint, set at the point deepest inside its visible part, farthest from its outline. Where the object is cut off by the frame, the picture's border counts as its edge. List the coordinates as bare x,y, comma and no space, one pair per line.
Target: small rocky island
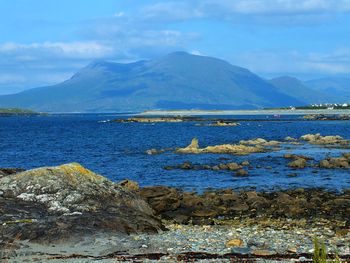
17,112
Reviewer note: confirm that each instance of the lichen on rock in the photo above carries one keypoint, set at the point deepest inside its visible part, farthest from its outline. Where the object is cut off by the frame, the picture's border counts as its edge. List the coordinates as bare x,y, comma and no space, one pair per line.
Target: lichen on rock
59,197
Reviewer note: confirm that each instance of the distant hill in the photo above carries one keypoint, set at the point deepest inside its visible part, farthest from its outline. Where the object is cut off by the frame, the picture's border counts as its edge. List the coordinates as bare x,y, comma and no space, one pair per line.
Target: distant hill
176,81
295,87
338,86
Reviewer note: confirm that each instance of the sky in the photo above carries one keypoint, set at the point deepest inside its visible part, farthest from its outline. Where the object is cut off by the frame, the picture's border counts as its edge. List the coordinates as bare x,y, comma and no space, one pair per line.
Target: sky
46,42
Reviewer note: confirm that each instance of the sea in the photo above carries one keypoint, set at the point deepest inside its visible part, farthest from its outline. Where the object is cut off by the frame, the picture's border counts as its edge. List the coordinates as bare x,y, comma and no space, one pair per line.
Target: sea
118,150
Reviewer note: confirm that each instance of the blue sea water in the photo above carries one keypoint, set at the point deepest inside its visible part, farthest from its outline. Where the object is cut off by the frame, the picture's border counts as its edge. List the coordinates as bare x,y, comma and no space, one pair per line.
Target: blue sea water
117,150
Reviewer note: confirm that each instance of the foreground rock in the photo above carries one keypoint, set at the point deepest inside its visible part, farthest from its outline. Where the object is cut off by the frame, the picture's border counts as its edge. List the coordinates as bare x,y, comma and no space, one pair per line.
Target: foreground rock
54,203
186,207
236,149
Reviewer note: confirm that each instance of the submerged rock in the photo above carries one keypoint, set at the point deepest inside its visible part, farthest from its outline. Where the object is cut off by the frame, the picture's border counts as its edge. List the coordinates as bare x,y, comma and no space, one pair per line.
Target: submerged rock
65,201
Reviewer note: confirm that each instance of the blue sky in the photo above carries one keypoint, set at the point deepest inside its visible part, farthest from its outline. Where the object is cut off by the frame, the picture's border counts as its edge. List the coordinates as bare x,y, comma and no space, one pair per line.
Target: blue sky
45,42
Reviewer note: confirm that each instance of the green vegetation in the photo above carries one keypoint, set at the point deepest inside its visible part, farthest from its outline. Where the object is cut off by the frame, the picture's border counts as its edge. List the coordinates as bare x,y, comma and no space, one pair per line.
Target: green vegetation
320,253
16,111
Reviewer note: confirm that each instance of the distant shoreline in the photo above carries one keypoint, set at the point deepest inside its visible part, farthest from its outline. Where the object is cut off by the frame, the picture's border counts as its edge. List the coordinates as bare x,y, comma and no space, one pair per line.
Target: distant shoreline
244,112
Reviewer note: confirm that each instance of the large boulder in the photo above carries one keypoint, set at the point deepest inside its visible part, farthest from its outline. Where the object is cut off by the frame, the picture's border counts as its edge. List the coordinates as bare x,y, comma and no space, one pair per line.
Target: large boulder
68,200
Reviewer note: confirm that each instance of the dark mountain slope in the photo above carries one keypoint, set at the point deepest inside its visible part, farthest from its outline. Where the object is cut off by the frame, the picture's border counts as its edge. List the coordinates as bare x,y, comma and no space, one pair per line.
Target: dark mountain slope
176,81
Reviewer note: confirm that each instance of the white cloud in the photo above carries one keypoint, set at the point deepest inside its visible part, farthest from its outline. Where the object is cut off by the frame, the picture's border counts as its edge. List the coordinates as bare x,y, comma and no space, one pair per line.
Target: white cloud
9,78
295,63
248,11
279,6
88,49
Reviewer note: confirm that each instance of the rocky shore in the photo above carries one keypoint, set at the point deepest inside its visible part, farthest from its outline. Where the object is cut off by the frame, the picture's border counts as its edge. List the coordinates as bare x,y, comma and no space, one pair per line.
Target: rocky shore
70,214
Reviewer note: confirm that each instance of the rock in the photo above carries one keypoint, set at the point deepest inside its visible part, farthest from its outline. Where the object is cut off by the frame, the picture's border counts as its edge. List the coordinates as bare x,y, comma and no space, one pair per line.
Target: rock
219,149
298,163
161,198
223,123
9,171
234,243
154,151
233,166
332,163
69,201
290,139
186,166
259,141
241,172
245,163
292,175
318,139
130,185
138,119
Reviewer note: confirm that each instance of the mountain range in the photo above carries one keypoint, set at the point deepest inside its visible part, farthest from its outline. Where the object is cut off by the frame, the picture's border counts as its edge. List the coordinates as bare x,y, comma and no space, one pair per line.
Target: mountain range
178,80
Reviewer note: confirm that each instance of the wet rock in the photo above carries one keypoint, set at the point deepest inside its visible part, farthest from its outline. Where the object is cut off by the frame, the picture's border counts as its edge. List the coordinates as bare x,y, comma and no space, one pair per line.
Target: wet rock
298,163
67,201
161,198
245,163
9,171
242,172
333,163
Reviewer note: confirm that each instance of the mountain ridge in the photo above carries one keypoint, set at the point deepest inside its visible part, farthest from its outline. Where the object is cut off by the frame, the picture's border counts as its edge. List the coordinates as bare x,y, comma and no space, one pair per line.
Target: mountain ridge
177,80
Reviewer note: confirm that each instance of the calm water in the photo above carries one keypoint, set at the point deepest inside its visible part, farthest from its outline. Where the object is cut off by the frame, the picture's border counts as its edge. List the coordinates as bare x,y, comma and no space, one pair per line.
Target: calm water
117,150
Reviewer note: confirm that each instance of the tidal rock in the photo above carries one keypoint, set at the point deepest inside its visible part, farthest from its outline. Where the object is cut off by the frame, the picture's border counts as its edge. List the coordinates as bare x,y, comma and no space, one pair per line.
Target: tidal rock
260,141
223,148
319,139
241,172
66,201
332,163
290,139
299,163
